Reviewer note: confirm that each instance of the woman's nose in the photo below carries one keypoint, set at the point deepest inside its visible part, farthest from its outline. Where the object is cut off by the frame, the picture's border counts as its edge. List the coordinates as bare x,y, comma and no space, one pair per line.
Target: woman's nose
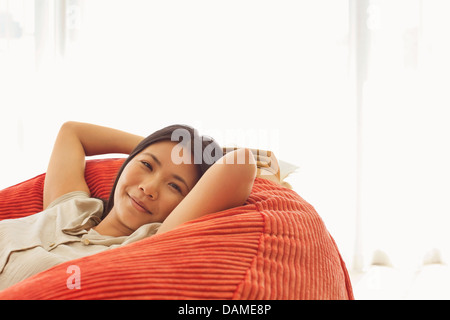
150,189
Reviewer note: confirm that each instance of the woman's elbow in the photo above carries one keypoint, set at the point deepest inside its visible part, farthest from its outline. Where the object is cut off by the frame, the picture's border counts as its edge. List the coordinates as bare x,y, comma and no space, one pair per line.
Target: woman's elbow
250,166
245,174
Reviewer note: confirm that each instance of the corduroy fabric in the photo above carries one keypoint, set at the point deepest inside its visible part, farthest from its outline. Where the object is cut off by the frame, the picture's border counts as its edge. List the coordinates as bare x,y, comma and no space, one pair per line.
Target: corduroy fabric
274,247
25,198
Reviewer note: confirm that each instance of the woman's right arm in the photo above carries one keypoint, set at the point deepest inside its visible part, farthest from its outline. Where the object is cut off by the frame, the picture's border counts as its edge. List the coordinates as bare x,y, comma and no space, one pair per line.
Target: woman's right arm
75,141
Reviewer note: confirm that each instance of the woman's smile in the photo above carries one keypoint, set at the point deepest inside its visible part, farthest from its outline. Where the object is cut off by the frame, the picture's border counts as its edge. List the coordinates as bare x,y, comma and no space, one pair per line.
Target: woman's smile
138,205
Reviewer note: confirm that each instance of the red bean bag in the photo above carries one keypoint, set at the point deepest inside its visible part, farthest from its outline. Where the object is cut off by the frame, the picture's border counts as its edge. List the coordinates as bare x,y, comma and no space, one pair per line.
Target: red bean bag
274,247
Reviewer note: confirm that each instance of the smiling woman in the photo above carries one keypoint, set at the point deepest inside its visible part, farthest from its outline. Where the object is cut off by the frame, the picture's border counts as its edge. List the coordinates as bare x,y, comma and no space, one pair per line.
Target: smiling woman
151,194
150,185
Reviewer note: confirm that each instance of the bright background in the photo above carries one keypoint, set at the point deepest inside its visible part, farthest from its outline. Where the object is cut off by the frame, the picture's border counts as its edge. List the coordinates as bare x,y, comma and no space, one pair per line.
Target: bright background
353,92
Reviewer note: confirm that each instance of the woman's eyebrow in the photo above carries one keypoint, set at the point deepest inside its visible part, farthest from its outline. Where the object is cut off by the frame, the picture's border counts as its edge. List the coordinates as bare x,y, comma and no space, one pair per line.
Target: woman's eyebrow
154,158
174,175
181,180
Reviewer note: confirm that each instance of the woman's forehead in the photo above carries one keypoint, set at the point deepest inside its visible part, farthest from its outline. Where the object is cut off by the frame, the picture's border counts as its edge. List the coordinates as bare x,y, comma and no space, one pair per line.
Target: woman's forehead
170,152
162,146
165,149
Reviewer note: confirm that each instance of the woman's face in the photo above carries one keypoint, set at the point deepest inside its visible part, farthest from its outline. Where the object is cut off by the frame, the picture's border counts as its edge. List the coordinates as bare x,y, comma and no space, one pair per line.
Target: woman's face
151,186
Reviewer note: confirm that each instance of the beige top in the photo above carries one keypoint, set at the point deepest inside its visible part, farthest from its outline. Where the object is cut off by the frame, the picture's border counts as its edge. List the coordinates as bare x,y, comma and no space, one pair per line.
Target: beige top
35,243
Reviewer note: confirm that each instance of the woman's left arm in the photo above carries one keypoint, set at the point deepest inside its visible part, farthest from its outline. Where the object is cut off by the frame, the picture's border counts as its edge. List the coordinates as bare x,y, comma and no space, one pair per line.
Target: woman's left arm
226,184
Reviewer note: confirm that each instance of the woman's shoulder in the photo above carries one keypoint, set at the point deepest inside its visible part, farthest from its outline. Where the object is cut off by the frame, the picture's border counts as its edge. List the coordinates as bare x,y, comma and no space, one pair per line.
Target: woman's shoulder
74,207
75,196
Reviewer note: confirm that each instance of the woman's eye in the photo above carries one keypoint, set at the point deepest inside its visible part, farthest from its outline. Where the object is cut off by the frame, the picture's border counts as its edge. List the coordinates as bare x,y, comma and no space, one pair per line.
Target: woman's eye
148,165
176,187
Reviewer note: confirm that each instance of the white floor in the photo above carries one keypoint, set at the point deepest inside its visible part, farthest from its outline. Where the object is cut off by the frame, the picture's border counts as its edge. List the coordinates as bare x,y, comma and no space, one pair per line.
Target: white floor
385,282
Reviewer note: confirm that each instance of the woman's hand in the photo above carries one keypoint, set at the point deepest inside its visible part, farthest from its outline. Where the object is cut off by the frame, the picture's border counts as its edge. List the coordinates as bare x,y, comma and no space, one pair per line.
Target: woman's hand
74,142
267,166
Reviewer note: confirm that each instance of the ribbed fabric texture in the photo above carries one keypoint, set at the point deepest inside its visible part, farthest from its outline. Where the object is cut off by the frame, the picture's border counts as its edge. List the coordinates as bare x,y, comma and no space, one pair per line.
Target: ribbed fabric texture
273,247
26,197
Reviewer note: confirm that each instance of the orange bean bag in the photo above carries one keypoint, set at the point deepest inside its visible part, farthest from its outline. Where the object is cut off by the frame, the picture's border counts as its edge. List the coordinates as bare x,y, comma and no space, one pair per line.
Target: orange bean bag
274,247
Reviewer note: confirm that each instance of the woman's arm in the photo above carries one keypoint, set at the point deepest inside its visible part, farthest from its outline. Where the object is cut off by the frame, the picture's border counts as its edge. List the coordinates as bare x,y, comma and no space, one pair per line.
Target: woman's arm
225,185
74,142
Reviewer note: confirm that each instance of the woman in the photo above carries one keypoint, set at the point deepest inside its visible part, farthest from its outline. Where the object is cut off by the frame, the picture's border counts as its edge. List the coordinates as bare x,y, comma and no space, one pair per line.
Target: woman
163,183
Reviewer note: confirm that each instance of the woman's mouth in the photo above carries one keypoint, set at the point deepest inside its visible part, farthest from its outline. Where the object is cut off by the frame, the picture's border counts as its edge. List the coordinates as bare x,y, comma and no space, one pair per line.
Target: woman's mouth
138,205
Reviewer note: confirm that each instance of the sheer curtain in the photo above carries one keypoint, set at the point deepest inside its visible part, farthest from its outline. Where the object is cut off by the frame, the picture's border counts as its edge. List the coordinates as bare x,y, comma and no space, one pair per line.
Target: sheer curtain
404,174
353,92
34,35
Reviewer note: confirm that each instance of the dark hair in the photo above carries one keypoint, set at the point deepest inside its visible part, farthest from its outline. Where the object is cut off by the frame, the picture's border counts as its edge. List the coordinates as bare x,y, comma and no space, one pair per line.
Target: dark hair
203,160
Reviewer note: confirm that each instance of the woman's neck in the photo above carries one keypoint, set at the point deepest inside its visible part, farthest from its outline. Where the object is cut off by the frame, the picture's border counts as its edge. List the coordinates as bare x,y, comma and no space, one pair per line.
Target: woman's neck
112,227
